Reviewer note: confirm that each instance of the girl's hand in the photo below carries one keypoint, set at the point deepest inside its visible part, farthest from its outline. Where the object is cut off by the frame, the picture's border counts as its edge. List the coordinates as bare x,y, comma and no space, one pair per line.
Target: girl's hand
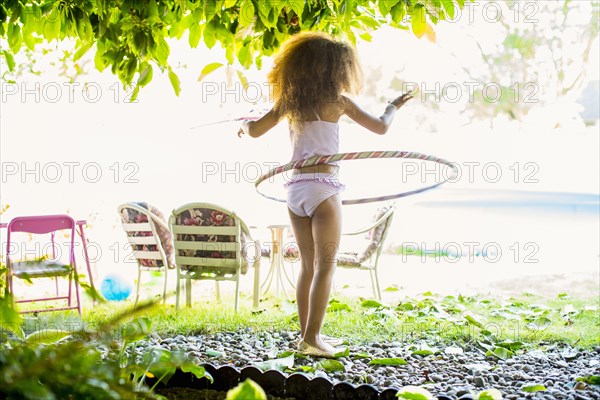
401,100
243,128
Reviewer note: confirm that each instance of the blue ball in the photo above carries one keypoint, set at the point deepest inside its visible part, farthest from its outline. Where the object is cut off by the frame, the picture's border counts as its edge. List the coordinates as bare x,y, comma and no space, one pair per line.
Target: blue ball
115,288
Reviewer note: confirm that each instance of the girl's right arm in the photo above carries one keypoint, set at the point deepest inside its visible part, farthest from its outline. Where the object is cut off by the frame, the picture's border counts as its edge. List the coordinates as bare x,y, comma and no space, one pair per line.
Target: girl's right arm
260,126
378,125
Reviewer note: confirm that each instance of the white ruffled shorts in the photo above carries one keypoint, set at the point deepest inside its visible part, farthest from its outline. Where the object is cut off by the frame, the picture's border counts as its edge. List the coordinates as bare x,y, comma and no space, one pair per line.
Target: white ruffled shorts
305,192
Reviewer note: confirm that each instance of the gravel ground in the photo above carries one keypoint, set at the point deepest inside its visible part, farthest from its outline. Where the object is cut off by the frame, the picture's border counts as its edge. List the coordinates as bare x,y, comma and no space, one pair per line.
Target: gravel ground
455,375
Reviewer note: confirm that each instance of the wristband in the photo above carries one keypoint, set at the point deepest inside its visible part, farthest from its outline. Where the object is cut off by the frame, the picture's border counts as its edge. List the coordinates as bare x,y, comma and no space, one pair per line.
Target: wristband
245,127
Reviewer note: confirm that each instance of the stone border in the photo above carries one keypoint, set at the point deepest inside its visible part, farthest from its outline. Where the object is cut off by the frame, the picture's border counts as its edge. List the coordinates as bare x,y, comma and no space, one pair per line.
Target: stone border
275,383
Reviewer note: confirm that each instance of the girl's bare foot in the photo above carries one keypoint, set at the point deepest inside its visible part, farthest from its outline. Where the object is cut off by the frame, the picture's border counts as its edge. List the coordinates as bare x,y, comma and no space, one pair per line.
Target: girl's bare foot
318,349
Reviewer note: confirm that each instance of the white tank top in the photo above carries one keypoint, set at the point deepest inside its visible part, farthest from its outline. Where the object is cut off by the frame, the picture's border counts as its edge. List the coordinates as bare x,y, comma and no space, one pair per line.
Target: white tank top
317,138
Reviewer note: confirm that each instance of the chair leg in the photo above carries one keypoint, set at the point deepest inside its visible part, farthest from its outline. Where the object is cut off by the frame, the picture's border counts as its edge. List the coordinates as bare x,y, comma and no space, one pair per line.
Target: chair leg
87,258
70,289
237,291
56,284
378,293
256,295
188,292
165,288
373,283
218,291
177,290
9,285
78,297
137,288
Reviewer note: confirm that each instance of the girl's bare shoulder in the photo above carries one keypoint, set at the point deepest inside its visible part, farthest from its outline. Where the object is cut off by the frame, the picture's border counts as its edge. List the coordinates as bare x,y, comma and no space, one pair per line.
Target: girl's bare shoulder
333,111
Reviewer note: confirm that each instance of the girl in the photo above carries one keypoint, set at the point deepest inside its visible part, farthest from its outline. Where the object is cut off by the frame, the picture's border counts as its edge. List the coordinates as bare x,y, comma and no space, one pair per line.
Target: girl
309,77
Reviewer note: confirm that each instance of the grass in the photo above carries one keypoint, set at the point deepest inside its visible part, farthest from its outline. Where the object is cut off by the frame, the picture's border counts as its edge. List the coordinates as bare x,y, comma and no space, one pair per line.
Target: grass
530,319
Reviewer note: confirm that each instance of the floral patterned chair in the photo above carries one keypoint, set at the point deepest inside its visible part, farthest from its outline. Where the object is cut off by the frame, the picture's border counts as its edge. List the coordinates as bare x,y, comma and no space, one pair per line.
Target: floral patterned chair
369,257
212,243
150,239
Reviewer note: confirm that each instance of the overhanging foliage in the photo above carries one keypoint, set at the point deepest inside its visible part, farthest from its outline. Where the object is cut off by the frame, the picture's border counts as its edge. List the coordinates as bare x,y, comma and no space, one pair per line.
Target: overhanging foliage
130,36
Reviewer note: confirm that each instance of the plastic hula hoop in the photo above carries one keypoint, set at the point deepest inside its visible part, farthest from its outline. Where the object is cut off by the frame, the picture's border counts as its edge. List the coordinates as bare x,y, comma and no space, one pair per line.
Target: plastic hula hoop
315,160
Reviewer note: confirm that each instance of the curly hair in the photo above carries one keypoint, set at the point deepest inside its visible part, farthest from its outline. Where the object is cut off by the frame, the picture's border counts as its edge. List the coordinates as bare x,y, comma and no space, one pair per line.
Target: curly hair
310,73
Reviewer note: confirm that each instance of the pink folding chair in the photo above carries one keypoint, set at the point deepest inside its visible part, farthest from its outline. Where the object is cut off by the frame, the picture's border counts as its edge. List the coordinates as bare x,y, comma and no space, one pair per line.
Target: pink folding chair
43,268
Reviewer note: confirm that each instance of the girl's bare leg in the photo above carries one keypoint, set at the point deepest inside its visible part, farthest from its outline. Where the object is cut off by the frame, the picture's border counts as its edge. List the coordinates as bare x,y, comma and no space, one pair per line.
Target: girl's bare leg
304,239
326,231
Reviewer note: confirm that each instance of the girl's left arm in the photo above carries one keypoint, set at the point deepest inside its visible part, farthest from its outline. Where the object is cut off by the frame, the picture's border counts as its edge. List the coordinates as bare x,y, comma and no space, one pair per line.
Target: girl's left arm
260,126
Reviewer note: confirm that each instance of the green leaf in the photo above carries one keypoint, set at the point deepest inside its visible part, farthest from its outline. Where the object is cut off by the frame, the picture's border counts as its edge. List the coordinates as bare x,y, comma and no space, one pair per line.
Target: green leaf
331,365
470,319
136,330
391,289
425,350
10,319
162,51
175,82
540,323
266,14
244,56
366,36
533,388
230,3
418,20
10,60
398,12
371,304
52,25
337,306
208,69
242,78
388,361
85,29
163,370
343,353
82,50
297,6
246,390
198,370
490,394
14,37
214,353
277,363
361,355
590,380
209,36
384,6
306,368
414,393
499,352
449,7
286,353
210,9
145,76
195,35
28,38
247,13
369,21
47,336
510,345
152,8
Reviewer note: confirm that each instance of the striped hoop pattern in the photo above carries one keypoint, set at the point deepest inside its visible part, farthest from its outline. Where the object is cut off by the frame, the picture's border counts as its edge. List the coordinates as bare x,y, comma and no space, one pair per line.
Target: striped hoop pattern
360,156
